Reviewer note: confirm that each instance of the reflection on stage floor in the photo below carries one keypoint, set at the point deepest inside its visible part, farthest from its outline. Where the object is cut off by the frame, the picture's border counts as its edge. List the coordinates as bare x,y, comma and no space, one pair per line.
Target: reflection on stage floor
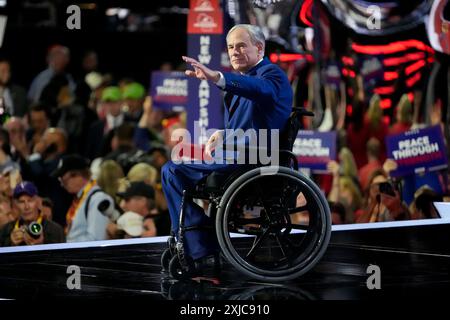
414,261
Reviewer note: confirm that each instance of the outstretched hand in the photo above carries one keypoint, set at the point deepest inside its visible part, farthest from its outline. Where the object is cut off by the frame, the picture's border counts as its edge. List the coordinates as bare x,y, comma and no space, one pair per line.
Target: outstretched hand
201,71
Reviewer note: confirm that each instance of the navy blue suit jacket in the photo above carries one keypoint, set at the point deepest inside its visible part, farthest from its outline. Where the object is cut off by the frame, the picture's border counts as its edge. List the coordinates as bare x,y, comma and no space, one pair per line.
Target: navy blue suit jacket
258,99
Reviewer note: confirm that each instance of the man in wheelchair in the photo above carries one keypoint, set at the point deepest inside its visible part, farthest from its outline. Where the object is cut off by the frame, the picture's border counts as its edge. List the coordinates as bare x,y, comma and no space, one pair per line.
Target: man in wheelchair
259,97
259,198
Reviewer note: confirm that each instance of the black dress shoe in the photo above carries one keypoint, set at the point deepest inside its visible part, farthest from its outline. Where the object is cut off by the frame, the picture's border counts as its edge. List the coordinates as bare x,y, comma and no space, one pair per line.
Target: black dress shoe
210,265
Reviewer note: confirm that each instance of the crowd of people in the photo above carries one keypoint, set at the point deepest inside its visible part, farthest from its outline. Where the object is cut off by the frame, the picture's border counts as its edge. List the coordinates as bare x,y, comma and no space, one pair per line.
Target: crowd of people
359,184
80,155
83,156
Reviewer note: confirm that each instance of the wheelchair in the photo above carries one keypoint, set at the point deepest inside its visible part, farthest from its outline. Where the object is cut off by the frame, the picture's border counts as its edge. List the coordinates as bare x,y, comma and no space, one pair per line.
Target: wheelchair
281,212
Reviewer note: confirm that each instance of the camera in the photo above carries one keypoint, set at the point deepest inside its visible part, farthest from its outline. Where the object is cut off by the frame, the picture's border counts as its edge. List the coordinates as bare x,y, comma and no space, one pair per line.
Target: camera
107,208
34,229
387,188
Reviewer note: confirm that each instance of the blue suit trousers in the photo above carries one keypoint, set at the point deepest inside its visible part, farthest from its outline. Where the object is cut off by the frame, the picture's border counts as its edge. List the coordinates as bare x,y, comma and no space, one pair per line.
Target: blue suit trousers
185,176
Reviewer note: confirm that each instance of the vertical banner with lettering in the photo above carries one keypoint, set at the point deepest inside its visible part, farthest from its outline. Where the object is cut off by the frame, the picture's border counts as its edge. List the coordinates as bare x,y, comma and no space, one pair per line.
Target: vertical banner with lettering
205,42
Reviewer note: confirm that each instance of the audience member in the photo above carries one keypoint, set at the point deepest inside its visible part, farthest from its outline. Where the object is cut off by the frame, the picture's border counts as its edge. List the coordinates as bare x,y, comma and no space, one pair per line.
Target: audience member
404,116
101,131
338,214
139,198
31,227
85,220
39,120
9,178
47,208
12,96
133,96
108,178
382,201
422,206
58,58
373,162
5,152
148,174
17,138
6,210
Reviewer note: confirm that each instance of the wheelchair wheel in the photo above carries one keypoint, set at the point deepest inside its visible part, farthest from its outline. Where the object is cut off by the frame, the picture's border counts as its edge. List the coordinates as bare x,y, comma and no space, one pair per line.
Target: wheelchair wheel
165,259
284,216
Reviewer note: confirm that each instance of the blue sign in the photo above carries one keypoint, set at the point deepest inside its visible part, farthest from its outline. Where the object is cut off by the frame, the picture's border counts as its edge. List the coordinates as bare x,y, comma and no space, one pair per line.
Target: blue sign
205,44
417,151
315,149
204,110
169,90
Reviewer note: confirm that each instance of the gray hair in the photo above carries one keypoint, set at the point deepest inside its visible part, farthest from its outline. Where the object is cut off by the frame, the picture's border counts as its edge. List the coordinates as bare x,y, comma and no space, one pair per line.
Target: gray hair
255,32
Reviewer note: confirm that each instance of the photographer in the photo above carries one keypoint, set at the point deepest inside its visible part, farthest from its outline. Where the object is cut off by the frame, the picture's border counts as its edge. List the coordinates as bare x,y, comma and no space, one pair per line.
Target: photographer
13,95
31,227
382,201
86,217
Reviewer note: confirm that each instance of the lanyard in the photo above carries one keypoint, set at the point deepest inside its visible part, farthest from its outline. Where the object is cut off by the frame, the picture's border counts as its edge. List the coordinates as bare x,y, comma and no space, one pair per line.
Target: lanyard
73,210
17,225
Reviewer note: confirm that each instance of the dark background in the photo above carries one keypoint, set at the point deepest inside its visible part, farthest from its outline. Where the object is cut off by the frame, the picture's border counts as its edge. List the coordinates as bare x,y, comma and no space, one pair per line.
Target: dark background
161,36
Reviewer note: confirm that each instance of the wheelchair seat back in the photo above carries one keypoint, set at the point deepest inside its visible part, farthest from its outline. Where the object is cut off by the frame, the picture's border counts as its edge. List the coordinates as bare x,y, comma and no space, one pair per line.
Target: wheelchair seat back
217,182
291,128
289,134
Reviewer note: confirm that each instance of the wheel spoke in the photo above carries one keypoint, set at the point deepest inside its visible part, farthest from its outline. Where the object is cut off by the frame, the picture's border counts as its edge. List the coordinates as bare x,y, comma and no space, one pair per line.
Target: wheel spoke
289,195
257,242
283,238
298,209
299,226
289,243
261,196
282,247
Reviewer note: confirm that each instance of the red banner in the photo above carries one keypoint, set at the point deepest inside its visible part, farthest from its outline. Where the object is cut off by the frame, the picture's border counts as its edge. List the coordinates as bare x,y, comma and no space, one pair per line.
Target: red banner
205,16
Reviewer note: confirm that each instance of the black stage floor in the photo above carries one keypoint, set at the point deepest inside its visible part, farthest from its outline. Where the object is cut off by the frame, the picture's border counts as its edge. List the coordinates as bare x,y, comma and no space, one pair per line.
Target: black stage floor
414,262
